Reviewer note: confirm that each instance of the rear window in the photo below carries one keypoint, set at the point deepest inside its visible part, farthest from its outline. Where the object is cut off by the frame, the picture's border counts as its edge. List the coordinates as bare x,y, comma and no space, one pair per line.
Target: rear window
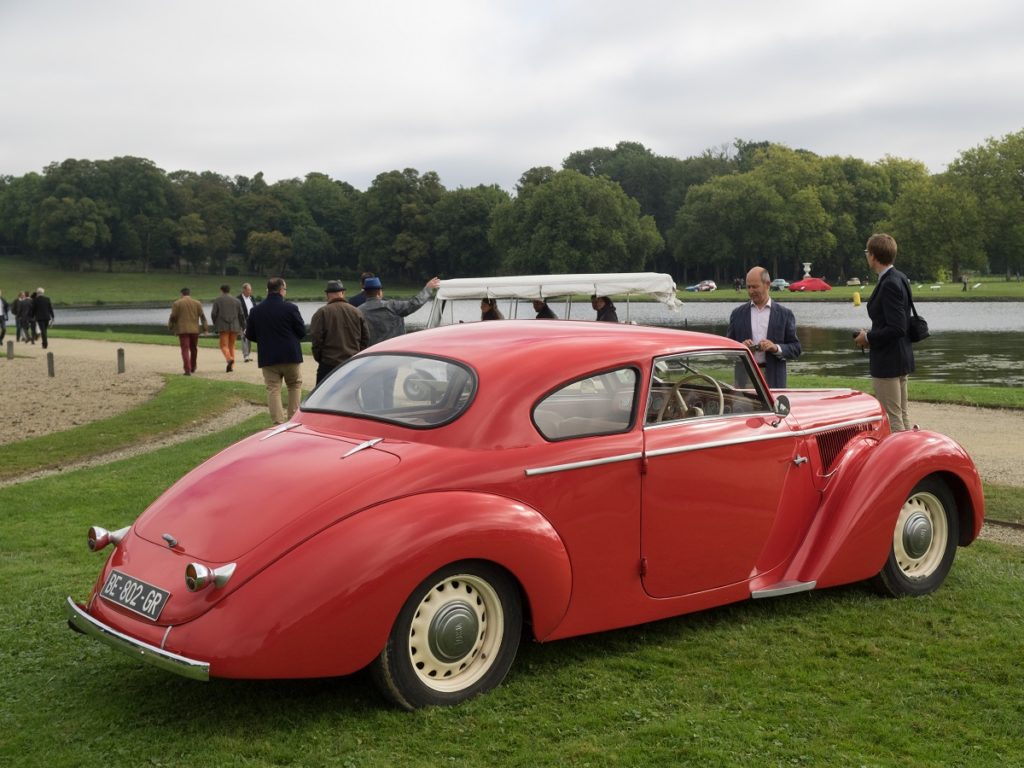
412,390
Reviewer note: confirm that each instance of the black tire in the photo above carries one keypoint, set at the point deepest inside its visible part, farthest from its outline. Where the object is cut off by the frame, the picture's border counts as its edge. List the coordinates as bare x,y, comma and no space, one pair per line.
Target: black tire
456,637
924,542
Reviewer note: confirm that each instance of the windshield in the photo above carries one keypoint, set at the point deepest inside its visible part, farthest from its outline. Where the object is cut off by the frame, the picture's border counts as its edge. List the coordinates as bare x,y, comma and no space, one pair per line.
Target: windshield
412,390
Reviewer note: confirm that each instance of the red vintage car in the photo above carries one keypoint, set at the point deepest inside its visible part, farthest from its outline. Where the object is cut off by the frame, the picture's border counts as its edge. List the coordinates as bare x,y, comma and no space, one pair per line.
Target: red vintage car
444,490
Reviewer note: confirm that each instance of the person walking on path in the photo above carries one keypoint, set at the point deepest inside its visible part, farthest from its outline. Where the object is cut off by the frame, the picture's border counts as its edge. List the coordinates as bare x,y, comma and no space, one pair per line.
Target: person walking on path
228,321
42,308
386,319
767,328
338,331
4,308
186,320
277,328
248,302
27,318
890,356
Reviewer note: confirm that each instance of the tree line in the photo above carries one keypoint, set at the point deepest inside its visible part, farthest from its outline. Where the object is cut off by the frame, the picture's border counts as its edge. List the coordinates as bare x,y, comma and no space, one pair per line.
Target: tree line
606,209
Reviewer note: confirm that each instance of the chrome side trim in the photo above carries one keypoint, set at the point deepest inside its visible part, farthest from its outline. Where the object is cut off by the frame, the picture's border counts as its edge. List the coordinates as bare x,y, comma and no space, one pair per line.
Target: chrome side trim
82,622
697,446
784,588
583,464
279,429
760,438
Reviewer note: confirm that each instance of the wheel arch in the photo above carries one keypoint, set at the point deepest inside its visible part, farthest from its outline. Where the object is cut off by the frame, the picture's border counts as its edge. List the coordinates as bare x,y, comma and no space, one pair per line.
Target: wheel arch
327,606
850,538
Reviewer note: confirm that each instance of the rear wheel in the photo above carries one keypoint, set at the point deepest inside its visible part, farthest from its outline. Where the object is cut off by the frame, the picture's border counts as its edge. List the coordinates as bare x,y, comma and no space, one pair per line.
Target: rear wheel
455,637
923,542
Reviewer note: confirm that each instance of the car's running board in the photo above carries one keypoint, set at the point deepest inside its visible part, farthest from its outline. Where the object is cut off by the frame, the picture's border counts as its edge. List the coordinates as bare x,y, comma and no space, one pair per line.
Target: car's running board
784,588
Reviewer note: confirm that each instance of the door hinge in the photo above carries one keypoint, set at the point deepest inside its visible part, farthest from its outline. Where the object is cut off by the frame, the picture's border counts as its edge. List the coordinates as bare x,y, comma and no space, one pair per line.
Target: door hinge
643,566
643,466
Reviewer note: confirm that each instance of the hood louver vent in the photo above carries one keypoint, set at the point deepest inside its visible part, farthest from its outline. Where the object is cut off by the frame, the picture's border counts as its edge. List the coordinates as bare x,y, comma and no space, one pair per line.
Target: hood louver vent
831,444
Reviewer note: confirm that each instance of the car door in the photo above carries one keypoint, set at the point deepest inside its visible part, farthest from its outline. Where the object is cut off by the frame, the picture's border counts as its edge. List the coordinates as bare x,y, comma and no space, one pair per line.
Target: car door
716,460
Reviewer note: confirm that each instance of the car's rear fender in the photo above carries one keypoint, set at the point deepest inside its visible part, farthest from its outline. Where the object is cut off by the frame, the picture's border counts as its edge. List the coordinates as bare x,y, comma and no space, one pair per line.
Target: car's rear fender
327,606
851,535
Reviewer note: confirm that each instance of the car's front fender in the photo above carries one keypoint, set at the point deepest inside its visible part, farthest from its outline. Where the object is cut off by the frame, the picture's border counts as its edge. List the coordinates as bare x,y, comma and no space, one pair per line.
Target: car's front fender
852,532
326,607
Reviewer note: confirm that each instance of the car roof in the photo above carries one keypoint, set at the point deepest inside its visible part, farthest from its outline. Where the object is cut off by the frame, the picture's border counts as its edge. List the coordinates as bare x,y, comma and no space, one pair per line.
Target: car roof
514,346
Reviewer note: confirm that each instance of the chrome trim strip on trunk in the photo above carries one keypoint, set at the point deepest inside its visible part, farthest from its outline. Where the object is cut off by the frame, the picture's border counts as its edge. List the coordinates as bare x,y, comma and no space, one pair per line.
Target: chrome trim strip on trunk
582,464
279,429
82,622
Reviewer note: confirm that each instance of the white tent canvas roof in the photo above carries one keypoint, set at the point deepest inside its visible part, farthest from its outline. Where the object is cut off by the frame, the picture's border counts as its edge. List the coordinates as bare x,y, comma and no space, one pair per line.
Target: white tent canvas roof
654,285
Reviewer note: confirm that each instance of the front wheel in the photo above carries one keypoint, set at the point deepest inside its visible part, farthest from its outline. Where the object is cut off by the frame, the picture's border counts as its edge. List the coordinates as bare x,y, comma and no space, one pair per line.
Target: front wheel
923,542
455,637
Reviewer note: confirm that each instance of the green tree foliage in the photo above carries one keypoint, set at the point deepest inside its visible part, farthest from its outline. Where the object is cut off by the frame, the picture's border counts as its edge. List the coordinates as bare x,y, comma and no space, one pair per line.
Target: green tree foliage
460,222
271,250
393,231
608,208
939,230
573,223
73,228
994,173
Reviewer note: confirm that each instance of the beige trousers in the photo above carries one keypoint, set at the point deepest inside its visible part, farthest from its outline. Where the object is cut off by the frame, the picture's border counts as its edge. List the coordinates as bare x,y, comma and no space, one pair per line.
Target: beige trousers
892,394
291,375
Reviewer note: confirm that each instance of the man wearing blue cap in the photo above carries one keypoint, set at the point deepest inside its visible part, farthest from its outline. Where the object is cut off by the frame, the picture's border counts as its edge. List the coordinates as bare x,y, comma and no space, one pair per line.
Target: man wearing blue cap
386,319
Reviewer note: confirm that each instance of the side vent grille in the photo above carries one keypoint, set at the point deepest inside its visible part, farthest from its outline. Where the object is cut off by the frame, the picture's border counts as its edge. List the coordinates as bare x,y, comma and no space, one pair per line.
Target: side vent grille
831,444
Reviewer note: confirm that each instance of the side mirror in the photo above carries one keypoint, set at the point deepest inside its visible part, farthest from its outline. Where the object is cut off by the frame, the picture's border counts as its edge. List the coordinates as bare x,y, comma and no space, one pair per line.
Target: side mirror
782,406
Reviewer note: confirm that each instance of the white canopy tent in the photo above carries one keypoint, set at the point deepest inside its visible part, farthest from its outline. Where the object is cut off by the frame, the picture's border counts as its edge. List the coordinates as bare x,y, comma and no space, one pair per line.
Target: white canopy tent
653,285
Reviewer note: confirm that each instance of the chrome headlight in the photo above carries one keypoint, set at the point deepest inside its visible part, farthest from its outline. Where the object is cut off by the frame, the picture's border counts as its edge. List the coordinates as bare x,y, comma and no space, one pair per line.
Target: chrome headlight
198,576
100,537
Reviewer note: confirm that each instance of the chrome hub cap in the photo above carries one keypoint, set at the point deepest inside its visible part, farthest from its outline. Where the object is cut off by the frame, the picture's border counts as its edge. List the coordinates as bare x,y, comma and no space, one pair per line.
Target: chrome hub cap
453,631
456,633
920,537
917,534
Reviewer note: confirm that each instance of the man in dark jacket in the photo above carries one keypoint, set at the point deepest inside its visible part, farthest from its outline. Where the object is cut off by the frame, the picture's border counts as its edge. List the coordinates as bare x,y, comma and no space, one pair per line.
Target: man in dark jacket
248,302
338,331
43,310
767,328
27,318
890,356
277,327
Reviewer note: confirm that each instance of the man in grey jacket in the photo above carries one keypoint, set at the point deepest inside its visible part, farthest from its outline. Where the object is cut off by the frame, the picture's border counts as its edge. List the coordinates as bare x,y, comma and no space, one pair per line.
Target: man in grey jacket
386,319
228,321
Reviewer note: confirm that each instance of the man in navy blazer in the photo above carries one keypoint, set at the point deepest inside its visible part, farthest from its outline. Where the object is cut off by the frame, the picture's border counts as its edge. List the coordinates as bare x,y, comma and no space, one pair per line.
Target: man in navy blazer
277,327
767,327
890,356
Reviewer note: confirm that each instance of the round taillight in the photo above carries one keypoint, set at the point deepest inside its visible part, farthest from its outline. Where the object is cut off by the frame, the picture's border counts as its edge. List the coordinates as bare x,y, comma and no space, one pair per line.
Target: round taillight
98,538
198,577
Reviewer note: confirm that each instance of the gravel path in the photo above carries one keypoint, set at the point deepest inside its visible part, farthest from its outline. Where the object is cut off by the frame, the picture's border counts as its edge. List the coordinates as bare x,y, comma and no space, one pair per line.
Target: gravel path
86,387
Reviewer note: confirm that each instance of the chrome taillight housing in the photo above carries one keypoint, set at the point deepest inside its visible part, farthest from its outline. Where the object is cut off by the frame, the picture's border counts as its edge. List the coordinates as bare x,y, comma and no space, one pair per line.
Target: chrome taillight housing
199,577
101,537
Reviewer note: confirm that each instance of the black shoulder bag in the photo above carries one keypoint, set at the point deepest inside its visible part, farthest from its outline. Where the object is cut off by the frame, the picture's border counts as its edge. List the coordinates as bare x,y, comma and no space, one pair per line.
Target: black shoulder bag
917,326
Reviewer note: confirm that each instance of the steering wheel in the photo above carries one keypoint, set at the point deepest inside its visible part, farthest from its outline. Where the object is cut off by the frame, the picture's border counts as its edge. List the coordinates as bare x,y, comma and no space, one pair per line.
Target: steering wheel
675,406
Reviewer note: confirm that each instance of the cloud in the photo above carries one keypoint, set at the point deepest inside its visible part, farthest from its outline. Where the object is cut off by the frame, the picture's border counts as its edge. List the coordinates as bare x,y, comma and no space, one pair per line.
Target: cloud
480,92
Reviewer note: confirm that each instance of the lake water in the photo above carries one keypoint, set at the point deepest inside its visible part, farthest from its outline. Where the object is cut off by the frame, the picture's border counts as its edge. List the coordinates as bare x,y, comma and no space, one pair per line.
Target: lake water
971,342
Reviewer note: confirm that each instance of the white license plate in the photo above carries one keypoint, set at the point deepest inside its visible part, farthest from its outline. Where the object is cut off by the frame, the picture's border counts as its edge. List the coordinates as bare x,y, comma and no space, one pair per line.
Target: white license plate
135,595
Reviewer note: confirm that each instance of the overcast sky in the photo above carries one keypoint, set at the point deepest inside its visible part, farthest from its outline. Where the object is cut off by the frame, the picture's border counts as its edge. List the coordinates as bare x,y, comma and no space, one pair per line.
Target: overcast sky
482,90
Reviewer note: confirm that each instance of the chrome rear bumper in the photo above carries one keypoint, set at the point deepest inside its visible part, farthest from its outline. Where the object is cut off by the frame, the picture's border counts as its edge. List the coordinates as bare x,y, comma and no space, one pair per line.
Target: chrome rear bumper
80,621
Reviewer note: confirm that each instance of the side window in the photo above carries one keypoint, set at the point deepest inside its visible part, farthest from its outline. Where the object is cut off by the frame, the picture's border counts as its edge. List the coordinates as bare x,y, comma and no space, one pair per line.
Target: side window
702,384
602,404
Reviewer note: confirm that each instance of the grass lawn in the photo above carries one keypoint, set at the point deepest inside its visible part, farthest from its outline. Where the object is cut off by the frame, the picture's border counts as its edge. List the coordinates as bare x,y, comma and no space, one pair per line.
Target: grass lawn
840,677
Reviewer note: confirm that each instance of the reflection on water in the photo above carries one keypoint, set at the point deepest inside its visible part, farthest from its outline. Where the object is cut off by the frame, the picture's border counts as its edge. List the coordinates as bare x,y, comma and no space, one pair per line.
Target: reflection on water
971,342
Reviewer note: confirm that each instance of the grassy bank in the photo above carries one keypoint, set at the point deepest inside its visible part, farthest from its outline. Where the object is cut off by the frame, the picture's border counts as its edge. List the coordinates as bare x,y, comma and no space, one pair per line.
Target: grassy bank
178,405
837,677
158,288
